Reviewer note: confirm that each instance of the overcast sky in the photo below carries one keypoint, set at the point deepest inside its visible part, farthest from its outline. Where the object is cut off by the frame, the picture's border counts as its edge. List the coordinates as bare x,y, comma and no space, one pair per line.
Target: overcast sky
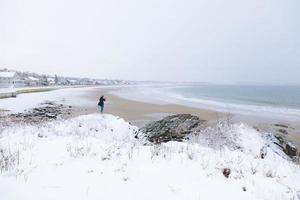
177,40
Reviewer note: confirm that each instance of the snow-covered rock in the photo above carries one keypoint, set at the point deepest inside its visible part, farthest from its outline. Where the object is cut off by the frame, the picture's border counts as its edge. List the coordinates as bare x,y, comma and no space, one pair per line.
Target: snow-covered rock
172,128
97,157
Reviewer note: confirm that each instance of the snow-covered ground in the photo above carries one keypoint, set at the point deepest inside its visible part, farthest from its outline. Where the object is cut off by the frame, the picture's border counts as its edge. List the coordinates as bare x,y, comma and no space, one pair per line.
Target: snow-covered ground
7,92
97,157
69,96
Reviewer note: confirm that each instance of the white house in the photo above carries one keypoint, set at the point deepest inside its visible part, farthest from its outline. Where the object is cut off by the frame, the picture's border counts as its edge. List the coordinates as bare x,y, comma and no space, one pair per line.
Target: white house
72,82
32,81
8,79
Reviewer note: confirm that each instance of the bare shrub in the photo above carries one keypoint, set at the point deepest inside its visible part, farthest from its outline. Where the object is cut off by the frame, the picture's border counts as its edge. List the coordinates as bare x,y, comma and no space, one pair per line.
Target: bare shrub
270,174
155,150
77,151
190,153
130,153
8,160
219,135
161,150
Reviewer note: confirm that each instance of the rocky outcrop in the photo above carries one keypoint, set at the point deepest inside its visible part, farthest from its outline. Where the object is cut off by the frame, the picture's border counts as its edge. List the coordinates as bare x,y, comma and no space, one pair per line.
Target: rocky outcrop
287,147
281,125
172,128
283,131
184,126
290,149
45,112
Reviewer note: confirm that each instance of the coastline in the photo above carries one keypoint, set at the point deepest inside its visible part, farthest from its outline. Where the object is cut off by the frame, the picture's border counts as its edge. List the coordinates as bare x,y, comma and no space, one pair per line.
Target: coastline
137,112
84,101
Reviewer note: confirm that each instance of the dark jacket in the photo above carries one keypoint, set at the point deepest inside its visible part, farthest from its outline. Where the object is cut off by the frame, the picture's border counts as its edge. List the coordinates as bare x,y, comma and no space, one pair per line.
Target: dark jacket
101,101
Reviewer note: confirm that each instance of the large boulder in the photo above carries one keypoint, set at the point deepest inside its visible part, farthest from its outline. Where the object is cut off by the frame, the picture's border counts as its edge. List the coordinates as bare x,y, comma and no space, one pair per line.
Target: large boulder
290,149
286,146
172,128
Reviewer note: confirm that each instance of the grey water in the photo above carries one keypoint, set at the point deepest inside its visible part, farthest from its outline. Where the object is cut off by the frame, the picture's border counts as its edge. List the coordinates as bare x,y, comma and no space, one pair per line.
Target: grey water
282,96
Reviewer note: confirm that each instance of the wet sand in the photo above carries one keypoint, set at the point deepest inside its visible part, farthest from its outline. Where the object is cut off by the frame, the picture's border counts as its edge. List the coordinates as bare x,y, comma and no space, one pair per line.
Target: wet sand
139,113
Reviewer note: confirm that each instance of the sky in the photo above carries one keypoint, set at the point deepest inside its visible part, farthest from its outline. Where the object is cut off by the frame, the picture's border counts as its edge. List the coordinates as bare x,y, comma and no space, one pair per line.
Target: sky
175,40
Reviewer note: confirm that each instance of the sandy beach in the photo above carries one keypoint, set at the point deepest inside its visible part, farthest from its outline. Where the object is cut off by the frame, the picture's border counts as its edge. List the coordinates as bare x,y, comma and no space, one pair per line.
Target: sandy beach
139,113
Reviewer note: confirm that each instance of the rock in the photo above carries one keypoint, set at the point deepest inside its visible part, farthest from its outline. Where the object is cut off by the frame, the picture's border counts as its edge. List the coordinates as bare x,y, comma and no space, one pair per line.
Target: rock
40,136
226,172
47,111
283,131
50,115
290,149
287,147
281,125
172,128
256,128
279,138
263,152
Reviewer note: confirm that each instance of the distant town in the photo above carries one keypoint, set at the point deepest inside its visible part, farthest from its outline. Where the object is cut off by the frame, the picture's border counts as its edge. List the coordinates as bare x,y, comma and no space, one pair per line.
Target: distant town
17,79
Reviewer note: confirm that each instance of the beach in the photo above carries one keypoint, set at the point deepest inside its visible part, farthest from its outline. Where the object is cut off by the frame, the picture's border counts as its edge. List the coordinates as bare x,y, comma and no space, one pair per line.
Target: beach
138,112
135,105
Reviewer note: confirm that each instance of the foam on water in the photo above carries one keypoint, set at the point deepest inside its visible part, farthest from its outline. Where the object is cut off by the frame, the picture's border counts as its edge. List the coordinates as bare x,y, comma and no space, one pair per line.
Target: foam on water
287,108
237,108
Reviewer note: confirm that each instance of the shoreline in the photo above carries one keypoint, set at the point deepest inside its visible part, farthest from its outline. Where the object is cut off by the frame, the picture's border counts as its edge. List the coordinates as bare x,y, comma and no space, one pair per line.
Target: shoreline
138,112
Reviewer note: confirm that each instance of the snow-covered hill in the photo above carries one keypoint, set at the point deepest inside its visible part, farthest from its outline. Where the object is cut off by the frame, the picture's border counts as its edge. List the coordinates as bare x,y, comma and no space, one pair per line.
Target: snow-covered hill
97,157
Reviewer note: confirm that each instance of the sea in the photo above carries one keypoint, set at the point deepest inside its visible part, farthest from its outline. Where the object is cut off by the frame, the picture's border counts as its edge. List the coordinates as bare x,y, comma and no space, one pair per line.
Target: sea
270,101
252,99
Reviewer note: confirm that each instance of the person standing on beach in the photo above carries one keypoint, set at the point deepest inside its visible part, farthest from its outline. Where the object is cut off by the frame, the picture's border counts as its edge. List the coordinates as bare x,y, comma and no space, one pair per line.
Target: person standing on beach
101,103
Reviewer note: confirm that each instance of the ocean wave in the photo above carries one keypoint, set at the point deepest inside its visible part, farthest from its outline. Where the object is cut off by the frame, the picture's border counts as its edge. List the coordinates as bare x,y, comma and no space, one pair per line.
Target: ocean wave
230,107
166,95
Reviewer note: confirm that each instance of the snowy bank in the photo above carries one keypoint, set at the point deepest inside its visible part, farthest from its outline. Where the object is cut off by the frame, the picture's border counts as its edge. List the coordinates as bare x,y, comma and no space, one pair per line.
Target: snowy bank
7,92
27,101
97,157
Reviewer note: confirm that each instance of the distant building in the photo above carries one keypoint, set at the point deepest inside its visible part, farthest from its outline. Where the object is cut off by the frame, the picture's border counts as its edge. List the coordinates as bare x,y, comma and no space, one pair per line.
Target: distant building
44,80
51,81
72,82
8,79
32,81
62,81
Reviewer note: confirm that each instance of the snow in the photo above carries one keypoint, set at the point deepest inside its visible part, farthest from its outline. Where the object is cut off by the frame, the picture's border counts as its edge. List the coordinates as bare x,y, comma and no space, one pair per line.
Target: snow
68,96
97,157
7,90
33,78
7,74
